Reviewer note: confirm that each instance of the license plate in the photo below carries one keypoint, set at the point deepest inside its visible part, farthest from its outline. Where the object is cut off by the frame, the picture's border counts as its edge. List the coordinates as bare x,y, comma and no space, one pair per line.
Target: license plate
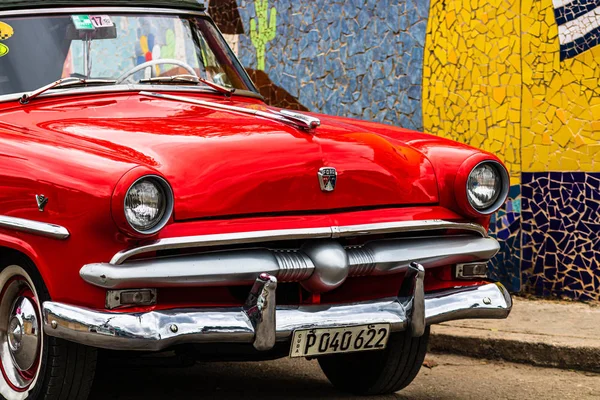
319,341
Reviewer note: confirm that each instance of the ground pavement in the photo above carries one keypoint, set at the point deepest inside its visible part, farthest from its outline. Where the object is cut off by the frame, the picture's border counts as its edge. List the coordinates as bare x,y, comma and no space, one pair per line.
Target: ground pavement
554,333
449,378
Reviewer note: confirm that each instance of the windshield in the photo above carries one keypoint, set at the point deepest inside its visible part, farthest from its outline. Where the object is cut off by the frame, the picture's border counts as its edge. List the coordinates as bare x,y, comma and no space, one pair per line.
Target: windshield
35,51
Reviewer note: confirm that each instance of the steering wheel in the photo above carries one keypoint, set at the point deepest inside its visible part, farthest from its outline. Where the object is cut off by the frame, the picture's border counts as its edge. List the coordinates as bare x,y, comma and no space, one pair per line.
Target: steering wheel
152,63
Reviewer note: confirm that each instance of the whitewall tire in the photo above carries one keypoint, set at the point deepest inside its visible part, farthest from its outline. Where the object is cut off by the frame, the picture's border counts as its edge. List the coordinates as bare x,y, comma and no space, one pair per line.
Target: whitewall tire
33,365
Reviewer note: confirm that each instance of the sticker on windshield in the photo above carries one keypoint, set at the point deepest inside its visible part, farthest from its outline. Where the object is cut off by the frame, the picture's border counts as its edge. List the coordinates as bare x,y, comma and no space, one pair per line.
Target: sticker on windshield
82,22
101,21
6,31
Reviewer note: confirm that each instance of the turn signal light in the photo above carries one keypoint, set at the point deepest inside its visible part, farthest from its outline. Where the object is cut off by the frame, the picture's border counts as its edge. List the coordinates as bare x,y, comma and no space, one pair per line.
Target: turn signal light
471,270
130,297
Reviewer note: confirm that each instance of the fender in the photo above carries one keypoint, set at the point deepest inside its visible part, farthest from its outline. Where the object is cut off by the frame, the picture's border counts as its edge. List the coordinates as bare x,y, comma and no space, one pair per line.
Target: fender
20,245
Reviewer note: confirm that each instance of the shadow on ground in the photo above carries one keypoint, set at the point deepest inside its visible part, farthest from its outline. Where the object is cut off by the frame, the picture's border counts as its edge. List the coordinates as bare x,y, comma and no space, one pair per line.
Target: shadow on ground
289,379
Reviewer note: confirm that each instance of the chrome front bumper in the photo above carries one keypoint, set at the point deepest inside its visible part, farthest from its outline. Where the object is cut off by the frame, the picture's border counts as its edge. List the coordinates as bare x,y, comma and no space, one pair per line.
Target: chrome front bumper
261,323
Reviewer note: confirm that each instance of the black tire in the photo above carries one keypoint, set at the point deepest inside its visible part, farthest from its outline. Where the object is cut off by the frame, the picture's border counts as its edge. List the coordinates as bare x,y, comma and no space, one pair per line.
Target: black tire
378,372
66,370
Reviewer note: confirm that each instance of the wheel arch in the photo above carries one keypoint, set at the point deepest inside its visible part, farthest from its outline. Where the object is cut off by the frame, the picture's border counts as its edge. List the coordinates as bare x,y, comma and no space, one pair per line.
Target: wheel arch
12,246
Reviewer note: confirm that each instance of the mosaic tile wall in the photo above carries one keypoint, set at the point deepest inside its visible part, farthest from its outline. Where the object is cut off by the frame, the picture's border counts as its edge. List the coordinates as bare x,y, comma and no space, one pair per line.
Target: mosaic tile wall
472,93
561,133
561,96
360,59
519,78
506,227
472,76
561,222
525,85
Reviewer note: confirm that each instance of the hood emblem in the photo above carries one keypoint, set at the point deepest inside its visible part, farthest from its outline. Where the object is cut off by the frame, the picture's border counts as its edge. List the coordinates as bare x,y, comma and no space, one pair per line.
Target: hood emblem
327,179
41,201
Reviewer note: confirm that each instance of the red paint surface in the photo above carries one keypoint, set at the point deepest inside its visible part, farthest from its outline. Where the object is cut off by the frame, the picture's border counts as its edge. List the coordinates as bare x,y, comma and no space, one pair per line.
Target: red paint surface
229,172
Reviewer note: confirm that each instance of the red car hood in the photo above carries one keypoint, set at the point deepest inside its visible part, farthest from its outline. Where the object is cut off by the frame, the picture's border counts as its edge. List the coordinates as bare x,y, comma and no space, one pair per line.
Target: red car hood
222,163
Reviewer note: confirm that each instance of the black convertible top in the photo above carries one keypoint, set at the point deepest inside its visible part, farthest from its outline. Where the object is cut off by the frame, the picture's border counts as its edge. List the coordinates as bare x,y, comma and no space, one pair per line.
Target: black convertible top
178,4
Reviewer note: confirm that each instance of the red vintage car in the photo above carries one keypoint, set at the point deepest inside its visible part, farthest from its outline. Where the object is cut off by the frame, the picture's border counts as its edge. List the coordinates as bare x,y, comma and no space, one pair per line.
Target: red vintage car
152,201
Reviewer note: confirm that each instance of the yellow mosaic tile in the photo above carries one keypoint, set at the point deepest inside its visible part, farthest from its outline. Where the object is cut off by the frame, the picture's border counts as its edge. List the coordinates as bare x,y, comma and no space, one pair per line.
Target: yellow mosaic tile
475,44
568,98
502,58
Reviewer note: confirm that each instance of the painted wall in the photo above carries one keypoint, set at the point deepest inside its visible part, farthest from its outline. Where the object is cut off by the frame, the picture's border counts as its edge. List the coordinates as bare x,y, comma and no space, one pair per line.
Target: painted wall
519,78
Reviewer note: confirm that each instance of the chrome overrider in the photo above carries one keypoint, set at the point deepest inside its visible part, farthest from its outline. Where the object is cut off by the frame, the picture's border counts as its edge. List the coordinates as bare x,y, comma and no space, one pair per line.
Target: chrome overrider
261,323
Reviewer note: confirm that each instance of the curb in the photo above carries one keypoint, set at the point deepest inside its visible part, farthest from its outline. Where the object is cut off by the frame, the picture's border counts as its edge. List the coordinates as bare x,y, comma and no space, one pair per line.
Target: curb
534,353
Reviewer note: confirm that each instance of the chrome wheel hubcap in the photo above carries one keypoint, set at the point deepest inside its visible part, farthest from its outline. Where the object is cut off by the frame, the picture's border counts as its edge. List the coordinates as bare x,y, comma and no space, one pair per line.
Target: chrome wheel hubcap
20,333
15,334
23,333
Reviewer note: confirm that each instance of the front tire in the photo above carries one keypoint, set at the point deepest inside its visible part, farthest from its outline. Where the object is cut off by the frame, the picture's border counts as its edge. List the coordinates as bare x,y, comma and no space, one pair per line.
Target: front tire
378,372
32,364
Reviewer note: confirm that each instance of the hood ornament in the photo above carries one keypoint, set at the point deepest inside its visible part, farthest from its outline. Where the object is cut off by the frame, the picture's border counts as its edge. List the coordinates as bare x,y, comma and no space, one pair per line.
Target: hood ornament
303,121
327,178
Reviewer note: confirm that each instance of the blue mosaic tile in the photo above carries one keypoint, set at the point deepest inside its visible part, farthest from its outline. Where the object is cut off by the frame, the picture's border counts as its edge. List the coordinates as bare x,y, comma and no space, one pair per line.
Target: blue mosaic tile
561,234
361,59
506,226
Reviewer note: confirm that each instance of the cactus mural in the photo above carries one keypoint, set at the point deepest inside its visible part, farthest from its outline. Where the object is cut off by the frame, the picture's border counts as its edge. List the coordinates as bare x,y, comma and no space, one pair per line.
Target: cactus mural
262,29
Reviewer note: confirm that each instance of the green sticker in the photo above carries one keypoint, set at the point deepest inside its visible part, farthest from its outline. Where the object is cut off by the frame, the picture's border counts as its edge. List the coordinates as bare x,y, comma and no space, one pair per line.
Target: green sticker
3,50
82,22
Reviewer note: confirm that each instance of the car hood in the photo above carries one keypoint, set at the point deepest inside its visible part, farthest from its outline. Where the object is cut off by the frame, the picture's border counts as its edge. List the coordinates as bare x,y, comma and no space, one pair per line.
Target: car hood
222,163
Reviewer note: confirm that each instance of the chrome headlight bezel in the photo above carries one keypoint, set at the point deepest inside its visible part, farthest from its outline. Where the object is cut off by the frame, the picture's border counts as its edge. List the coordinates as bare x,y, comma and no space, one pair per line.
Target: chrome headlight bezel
502,194
165,189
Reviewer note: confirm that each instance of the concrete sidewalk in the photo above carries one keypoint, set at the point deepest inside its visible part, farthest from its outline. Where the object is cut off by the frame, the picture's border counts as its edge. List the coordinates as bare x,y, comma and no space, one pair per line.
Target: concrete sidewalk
539,332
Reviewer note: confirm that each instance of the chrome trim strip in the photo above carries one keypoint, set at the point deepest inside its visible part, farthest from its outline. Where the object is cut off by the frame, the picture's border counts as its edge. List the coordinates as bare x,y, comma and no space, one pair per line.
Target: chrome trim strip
294,234
34,227
185,242
312,265
305,123
157,330
97,9
406,226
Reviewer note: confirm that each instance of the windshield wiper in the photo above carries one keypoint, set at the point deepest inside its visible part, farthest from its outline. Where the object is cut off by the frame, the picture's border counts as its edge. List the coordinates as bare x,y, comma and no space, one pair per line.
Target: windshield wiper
64,82
189,79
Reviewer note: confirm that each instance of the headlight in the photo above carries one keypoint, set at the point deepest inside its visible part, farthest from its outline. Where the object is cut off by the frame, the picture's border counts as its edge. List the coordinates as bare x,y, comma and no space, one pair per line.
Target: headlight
148,204
487,187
